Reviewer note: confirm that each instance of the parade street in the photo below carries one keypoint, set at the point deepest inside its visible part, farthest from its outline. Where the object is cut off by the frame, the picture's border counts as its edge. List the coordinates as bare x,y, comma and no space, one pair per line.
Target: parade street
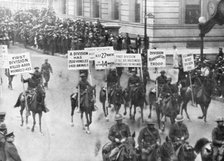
59,140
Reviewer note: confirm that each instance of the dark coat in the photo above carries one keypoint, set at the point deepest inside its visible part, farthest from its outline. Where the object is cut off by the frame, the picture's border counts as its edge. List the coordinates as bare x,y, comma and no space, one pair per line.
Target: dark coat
11,152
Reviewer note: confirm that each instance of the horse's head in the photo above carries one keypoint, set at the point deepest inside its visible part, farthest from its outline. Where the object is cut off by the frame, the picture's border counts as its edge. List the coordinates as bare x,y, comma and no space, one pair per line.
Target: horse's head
129,148
188,152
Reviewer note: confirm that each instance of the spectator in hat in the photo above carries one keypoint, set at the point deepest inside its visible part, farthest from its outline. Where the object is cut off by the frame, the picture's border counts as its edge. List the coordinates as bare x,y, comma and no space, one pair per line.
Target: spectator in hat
178,131
148,139
220,53
217,137
3,131
46,69
10,149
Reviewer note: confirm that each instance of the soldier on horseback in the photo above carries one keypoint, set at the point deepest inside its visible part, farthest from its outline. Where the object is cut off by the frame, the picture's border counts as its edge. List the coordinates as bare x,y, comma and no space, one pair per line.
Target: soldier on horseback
112,80
218,139
148,140
117,133
133,82
83,85
178,132
161,80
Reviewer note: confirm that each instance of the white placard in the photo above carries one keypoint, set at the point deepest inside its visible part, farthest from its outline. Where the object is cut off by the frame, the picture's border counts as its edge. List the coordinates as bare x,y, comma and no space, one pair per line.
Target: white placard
19,63
104,57
78,60
91,52
188,62
128,60
156,58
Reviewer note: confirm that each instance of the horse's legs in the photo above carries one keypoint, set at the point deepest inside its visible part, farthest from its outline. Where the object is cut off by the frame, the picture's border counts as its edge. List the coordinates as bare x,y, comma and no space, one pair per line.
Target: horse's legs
203,112
125,107
158,114
150,110
130,112
83,126
142,107
40,116
72,114
163,122
134,112
104,109
21,114
184,107
34,121
87,123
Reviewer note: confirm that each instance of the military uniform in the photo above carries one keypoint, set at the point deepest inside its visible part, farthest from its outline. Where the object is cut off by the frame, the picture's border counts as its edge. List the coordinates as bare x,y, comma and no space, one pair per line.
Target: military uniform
32,83
112,79
148,137
177,132
168,89
46,69
3,131
11,152
118,131
217,140
161,81
133,80
83,86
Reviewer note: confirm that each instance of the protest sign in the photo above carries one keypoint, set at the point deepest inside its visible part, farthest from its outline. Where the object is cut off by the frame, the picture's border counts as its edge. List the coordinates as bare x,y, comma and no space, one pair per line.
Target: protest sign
156,58
19,63
188,62
78,60
128,60
104,57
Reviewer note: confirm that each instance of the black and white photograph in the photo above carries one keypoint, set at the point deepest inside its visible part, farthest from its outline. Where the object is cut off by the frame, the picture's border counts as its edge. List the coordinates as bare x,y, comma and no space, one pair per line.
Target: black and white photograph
111,80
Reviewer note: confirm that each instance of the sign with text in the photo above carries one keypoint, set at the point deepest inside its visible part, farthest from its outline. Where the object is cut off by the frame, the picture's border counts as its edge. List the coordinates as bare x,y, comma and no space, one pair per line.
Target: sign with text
3,56
128,60
78,60
104,57
19,63
156,58
91,52
188,62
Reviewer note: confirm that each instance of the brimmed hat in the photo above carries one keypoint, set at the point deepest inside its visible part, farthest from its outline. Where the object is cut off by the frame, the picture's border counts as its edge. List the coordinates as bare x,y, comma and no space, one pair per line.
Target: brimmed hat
179,118
148,122
220,119
118,117
36,68
133,70
3,126
2,115
82,75
163,71
9,134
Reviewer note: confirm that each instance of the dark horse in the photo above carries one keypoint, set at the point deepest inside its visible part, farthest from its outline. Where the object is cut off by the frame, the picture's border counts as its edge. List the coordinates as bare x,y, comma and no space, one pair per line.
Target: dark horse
168,107
205,148
152,100
184,153
136,98
202,91
87,101
34,101
115,98
124,152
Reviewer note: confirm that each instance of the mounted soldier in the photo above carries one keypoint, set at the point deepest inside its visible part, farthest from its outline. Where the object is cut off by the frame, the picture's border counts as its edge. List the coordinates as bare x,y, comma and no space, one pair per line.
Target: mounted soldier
218,140
133,82
112,80
178,132
148,140
117,134
161,81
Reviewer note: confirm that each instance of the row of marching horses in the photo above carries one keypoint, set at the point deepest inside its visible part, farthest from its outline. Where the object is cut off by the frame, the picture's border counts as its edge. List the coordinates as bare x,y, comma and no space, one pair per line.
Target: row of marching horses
200,94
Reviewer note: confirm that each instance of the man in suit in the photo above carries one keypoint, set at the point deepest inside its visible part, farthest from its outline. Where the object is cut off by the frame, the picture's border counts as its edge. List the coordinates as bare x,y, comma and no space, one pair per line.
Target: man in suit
10,149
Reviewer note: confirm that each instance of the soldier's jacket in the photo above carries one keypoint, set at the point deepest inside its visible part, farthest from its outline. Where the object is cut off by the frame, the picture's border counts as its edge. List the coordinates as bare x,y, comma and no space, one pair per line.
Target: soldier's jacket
145,75
161,80
119,131
46,68
178,131
112,79
218,136
148,137
32,83
133,80
83,85
168,88
11,152
38,76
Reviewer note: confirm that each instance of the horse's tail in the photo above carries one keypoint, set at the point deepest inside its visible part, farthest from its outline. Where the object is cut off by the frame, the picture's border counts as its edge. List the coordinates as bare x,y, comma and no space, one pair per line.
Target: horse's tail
200,143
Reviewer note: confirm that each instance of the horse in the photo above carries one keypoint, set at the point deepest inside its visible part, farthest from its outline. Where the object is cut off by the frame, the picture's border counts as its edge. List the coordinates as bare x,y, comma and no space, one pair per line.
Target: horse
204,147
152,155
137,98
124,152
168,107
152,101
87,101
185,152
115,98
34,103
202,92
74,104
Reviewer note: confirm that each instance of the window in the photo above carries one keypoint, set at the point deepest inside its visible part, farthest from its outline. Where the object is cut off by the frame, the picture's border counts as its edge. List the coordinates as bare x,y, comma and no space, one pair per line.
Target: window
192,11
116,9
137,11
79,8
96,8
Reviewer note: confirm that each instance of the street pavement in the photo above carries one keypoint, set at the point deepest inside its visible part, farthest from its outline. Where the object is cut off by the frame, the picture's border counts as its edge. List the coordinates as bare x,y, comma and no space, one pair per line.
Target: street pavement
62,142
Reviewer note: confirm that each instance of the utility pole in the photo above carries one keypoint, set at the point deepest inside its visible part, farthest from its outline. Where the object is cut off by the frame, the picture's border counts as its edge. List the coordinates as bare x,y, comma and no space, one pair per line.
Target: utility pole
145,28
